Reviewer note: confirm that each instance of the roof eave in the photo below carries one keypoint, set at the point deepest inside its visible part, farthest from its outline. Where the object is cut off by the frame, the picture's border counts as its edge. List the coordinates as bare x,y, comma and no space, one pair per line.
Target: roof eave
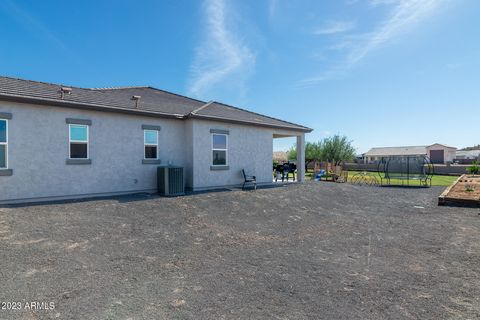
103,108
86,106
204,117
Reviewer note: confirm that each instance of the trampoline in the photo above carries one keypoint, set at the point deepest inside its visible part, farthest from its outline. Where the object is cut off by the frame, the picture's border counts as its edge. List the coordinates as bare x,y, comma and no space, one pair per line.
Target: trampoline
406,171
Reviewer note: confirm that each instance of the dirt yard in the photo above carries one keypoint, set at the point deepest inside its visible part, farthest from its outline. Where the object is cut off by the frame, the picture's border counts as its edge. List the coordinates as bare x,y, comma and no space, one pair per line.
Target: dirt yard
312,251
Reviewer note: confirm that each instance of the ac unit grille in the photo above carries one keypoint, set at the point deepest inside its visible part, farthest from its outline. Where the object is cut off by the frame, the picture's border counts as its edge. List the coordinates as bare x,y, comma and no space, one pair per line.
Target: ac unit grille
175,178
170,181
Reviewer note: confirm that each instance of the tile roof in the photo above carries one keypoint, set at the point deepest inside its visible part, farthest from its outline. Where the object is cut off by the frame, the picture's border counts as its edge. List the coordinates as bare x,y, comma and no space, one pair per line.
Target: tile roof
217,110
153,102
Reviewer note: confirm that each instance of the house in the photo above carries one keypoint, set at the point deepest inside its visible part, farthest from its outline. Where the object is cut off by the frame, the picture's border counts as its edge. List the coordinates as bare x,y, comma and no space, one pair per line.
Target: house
60,142
438,153
280,156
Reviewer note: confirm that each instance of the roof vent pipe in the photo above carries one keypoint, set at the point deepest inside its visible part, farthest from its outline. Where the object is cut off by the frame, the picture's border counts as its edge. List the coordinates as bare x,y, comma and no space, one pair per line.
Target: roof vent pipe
136,99
64,91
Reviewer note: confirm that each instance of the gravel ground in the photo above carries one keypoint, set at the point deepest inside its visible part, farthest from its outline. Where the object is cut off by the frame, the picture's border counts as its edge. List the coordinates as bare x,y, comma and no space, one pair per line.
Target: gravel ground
312,251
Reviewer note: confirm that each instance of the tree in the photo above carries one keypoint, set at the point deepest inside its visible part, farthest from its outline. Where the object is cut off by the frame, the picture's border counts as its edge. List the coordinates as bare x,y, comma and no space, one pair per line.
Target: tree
337,149
334,149
313,152
292,153
476,147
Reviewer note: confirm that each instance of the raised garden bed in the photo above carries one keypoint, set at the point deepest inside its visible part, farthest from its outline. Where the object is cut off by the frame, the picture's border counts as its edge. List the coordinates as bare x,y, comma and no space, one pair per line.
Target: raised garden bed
464,191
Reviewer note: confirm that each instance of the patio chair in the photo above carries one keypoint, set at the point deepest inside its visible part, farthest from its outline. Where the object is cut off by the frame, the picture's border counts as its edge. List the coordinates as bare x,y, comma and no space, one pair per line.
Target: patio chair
279,172
249,179
286,171
293,168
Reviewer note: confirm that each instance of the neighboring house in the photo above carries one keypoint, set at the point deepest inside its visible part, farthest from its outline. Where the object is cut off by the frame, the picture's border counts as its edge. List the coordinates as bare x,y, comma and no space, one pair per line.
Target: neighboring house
360,158
63,142
280,156
467,157
438,153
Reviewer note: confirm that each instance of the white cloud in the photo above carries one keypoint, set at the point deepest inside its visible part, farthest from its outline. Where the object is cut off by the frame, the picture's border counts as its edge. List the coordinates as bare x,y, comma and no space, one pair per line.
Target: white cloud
272,8
382,2
333,27
30,22
222,56
333,73
405,15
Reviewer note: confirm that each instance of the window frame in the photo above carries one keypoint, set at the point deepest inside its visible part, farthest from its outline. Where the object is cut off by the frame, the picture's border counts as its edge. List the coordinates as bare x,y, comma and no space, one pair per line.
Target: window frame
219,149
70,141
5,144
145,144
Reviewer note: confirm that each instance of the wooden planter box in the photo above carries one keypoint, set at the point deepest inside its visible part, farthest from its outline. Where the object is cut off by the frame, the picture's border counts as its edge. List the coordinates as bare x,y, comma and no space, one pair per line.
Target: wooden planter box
457,193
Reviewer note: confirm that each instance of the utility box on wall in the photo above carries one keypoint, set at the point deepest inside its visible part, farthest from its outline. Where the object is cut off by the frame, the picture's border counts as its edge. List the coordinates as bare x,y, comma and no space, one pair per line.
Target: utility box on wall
170,181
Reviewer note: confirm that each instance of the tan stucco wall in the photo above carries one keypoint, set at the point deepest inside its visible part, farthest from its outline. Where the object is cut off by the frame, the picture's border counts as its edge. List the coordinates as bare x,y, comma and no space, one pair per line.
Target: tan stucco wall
38,149
249,148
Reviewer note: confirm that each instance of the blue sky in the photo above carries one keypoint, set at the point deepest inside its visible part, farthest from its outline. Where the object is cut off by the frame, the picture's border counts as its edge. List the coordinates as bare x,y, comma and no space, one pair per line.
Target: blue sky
382,72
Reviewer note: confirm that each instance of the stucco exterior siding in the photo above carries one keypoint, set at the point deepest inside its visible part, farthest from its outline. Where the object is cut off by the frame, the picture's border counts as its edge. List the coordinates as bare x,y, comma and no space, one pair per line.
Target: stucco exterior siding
39,116
189,146
249,148
38,152
38,148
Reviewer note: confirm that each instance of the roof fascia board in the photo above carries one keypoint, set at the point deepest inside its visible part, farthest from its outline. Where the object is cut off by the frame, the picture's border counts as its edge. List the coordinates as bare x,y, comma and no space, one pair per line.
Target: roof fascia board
203,117
96,107
77,105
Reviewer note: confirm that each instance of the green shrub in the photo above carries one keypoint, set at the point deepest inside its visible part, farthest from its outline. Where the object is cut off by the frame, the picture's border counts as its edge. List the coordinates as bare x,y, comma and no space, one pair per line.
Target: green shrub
474,168
469,188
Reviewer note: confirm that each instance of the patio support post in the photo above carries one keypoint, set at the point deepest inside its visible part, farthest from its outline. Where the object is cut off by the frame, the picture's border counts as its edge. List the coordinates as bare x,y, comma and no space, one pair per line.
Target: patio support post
301,158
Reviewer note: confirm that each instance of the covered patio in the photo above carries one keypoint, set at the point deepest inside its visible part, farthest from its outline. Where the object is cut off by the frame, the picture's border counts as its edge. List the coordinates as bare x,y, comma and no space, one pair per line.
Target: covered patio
299,174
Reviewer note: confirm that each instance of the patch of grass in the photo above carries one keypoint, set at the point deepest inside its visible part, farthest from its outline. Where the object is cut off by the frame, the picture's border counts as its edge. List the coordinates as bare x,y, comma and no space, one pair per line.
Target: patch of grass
437,180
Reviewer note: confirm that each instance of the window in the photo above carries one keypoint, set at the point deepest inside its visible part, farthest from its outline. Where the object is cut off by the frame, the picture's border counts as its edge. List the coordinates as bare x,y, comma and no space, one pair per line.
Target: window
219,149
78,136
3,144
150,140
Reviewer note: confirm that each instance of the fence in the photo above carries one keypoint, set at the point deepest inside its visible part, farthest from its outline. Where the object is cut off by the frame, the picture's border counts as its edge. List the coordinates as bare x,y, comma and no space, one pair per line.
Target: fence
444,169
